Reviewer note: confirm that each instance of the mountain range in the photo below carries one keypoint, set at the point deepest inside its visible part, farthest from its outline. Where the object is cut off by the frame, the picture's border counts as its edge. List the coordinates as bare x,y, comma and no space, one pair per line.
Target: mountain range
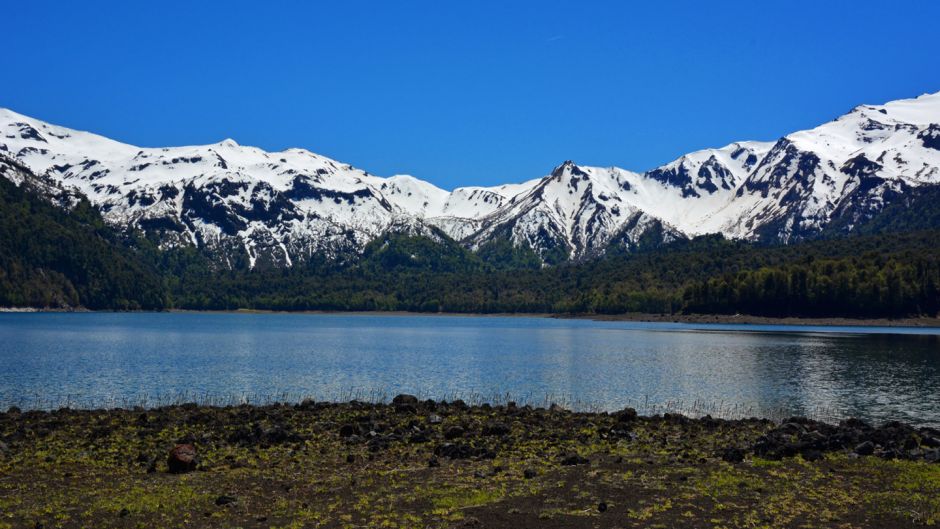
246,207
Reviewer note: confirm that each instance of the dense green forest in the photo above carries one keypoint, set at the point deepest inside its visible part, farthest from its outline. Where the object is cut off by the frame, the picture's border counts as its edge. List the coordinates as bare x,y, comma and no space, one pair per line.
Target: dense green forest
870,276
51,257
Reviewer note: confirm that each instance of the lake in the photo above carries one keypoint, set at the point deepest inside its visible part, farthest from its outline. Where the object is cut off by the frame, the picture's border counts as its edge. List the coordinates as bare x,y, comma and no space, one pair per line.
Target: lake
48,360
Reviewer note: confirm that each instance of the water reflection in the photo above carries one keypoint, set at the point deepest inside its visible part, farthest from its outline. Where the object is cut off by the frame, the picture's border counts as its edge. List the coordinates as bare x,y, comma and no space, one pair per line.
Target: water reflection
122,359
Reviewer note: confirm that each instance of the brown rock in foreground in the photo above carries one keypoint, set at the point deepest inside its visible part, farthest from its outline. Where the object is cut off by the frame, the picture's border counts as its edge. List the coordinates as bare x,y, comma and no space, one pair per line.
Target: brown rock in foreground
182,459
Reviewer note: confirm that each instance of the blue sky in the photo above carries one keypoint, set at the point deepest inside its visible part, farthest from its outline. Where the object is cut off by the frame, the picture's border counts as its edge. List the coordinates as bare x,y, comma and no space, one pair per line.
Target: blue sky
475,93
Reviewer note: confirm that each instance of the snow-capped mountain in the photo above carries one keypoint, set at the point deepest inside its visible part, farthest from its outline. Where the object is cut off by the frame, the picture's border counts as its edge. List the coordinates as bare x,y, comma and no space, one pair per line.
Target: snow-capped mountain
245,205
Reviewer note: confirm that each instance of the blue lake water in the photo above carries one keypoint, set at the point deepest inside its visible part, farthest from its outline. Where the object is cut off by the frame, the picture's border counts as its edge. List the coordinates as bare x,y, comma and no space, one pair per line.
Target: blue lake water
101,359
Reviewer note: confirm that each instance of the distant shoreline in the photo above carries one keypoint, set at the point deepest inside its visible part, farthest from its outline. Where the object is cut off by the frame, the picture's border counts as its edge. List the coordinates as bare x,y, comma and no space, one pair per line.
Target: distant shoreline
744,319
721,319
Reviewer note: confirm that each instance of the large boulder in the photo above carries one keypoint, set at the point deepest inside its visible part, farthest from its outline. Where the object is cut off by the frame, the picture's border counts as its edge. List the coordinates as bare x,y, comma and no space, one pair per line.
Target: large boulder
182,459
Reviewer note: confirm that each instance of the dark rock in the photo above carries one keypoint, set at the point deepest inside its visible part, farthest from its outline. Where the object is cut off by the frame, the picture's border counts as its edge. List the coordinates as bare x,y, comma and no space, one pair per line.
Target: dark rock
626,415
621,433
791,428
601,507
529,473
709,423
930,442
182,459
225,500
405,399
433,462
865,449
889,454
307,404
812,454
348,430
675,418
462,451
855,424
732,455
406,408
496,428
350,458
453,433
419,437
279,434
574,459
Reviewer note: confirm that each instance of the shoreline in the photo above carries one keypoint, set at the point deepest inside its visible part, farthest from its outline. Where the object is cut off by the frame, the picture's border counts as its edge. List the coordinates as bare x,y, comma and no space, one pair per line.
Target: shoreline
744,319
447,465
719,319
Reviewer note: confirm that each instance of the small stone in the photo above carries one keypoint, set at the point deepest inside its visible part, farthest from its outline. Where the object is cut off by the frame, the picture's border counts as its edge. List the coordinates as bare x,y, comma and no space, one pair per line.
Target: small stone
574,459
601,507
865,449
496,428
528,473
406,408
225,500
433,462
733,455
348,430
453,432
812,454
124,512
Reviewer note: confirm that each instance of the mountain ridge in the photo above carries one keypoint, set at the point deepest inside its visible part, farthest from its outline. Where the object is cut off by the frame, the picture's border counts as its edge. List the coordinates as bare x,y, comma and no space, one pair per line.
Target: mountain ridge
280,208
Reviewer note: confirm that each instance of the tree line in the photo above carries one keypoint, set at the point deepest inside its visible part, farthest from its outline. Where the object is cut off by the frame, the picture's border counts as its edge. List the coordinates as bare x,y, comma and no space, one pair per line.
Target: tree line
52,257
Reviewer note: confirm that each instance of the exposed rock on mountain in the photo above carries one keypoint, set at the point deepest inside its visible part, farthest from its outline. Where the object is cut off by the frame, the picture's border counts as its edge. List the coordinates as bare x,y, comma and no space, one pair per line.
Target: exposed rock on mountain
277,208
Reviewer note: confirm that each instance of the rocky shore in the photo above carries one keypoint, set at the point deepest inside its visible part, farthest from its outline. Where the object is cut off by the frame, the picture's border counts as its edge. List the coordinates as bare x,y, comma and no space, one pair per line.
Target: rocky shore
414,463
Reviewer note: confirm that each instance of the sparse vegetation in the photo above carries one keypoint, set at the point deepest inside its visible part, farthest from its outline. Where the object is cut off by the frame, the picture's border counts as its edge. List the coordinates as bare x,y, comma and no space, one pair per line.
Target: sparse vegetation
405,465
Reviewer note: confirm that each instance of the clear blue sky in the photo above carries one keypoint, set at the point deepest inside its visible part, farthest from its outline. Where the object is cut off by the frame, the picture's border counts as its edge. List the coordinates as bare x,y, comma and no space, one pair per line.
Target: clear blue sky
475,93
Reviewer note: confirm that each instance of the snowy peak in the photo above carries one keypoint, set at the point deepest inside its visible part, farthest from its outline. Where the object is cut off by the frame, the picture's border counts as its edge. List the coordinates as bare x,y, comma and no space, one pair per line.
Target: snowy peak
249,207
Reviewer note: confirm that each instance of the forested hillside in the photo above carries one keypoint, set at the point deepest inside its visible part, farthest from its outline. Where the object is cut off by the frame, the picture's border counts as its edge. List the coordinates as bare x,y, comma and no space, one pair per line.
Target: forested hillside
870,276
52,256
